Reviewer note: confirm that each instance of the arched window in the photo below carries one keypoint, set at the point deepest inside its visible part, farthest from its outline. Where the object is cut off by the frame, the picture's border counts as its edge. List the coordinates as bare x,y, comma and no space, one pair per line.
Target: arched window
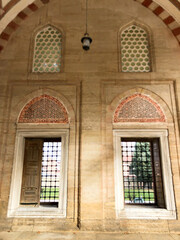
143,178
135,52
40,181
47,50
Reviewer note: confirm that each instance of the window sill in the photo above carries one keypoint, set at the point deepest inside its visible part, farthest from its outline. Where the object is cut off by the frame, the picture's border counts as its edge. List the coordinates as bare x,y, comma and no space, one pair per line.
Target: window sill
37,212
145,212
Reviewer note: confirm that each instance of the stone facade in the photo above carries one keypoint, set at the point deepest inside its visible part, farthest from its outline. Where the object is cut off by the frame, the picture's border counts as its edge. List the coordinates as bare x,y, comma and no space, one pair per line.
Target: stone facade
88,90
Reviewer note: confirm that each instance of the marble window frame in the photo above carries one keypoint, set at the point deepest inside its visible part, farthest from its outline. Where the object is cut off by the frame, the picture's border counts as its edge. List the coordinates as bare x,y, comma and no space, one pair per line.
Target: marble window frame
143,212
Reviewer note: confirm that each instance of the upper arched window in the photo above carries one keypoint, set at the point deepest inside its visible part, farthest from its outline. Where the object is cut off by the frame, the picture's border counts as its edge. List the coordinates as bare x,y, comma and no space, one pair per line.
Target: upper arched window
47,50
135,51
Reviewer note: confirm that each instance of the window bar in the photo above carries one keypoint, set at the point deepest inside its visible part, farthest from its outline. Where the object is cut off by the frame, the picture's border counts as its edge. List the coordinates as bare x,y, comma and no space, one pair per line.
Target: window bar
50,172
138,172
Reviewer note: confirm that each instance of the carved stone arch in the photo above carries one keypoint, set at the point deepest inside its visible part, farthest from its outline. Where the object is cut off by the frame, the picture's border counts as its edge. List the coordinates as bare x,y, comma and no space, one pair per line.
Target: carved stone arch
149,32
137,23
44,109
143,100
63,106
37,30
44,25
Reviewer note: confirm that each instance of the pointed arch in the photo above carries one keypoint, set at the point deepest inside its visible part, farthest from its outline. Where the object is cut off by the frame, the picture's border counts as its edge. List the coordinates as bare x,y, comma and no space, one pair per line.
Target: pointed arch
135,47
137,23
138,108
140,105
44,109
47,47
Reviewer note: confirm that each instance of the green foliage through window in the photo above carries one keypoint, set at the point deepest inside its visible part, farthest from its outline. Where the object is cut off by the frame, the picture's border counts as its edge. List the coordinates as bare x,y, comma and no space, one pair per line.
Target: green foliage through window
139,187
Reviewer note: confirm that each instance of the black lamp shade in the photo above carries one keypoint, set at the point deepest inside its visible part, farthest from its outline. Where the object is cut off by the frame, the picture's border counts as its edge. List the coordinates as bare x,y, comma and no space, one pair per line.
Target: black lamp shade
86,41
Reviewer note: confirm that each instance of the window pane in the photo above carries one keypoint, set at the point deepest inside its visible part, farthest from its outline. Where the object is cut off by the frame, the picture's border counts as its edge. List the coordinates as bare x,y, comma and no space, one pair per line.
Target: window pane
47,50
138,172
50,172
135,50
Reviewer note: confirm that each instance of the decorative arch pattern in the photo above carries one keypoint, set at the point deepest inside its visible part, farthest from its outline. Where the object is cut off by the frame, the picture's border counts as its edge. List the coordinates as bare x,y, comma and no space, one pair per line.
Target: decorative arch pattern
13,24
44,109
164,15
138,108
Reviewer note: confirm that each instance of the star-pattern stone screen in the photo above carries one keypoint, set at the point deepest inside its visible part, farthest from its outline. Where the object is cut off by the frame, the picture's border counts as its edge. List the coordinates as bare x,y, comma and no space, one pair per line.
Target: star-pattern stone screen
135,56
47,50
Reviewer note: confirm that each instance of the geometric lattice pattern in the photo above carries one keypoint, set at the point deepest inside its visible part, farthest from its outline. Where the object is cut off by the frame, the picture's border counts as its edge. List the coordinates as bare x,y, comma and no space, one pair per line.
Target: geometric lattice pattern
135,55
47,50
138,108
44,109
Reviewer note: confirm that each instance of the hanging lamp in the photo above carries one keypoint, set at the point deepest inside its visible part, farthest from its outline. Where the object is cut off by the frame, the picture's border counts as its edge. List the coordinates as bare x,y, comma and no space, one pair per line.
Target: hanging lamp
86,40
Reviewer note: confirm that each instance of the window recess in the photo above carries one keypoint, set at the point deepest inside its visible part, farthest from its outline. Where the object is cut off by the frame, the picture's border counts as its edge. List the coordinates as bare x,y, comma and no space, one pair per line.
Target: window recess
41,172
47,50
39,186
135,50
142,175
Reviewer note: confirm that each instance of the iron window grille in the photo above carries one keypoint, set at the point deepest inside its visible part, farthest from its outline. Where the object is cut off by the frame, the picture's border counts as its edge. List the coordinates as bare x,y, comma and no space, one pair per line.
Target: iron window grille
50,171
142,172
41,171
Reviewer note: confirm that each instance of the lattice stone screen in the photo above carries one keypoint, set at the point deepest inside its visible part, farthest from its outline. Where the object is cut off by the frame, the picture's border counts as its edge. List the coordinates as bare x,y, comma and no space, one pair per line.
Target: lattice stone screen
47,50
44,109
138,108
135,55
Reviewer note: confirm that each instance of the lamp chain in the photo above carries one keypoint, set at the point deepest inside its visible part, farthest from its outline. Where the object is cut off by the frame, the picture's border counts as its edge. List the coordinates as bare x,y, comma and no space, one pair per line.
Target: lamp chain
86,14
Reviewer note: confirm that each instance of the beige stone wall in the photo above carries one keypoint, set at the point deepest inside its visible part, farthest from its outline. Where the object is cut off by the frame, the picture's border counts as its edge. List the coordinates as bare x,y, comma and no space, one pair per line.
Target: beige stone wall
90,81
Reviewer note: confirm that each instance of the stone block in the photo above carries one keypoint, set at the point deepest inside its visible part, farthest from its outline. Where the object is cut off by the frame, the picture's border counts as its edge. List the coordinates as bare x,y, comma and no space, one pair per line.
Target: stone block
117,236
156,236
